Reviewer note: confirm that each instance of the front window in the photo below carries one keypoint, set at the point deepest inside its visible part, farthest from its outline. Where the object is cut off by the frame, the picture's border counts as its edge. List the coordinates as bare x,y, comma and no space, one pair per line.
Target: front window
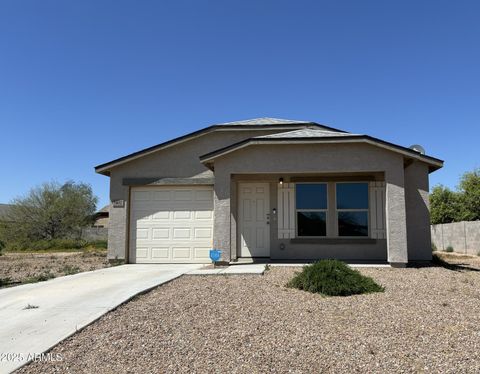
352,209
311,204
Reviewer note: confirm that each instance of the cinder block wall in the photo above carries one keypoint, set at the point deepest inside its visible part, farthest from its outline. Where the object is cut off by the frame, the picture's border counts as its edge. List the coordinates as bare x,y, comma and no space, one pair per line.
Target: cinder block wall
464,236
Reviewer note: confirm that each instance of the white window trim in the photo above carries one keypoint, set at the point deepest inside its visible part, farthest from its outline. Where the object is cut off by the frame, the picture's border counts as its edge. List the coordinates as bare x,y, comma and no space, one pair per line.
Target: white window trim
337,234
311,210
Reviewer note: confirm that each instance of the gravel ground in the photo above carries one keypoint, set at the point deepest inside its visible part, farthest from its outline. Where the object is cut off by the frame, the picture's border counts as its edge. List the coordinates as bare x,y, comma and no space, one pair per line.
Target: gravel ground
21,267
460,259
427,320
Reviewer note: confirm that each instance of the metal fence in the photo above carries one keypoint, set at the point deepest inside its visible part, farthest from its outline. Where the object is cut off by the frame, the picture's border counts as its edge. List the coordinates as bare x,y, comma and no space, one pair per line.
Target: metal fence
463,237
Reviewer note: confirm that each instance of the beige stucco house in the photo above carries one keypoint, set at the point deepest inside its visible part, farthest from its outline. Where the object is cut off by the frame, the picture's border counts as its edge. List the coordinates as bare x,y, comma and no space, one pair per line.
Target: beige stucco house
270,188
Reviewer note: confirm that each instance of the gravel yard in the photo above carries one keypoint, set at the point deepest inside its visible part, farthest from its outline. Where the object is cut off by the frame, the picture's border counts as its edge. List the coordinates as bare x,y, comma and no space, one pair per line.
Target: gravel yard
27,267
428,320
460,259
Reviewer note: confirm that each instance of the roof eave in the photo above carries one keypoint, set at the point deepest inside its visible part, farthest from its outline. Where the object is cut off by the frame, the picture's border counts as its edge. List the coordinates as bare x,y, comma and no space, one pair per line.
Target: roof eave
104,168
434,163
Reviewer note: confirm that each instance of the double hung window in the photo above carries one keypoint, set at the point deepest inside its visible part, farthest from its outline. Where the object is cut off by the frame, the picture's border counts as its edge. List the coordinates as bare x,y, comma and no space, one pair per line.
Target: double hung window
312,207
352,209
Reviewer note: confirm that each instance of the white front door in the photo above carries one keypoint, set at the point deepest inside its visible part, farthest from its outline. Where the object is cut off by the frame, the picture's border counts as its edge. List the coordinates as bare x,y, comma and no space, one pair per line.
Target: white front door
254,225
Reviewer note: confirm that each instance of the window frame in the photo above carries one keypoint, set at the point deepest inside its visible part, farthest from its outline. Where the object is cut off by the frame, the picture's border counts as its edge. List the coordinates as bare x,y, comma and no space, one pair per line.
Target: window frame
337,233
326,210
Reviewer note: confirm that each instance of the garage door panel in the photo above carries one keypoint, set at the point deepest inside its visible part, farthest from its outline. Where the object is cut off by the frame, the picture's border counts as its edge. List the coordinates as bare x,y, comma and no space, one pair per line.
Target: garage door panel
203,233
181,233
160,233
164,195
202,252
142,253
183,195
143,234
161,253
204,214
161,216
172,225
181,253
182,215
141,196
141,215
204,195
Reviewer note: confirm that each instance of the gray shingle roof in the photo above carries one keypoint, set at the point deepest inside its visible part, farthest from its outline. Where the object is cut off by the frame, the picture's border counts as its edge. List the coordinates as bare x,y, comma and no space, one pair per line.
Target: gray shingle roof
263,121
306,133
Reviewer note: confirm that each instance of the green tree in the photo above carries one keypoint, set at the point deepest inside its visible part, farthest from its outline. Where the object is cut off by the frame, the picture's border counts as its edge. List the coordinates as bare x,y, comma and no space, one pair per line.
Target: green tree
469,189
50,211
445,205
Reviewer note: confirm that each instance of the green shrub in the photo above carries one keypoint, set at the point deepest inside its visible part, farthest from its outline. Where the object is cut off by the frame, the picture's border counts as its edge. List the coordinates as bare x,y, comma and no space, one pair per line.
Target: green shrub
449,249
333,278
57,244
5,281
434,247
116,261
39,278
98,244
70,270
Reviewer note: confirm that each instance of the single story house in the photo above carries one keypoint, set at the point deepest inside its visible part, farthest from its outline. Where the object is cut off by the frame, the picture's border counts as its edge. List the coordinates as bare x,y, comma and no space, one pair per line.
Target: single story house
101,217
270,188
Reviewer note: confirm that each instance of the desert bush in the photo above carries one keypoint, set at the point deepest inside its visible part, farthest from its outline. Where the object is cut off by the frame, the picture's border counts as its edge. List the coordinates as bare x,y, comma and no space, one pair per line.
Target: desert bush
39,278
333,278
50,211
449,249
56,244
70,270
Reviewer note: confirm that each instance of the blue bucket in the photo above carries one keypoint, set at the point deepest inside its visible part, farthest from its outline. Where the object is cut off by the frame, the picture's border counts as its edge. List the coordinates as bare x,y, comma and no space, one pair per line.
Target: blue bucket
215,254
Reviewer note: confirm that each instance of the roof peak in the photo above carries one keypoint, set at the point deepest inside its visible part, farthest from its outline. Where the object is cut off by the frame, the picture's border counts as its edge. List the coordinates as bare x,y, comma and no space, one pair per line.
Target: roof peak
307,133
263,121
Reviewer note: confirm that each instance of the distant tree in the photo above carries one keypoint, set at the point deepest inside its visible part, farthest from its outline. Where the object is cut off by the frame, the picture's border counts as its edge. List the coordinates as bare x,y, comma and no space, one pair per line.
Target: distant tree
469,189
445,205
50,211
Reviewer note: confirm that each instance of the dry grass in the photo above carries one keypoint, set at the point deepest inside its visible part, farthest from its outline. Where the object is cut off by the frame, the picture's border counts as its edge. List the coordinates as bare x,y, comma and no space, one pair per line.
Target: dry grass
427,320
17,268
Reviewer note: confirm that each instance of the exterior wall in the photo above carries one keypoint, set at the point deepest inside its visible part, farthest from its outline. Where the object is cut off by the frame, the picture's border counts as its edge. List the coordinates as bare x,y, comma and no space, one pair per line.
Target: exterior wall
418,214
181,160
463,237
313,158
396,213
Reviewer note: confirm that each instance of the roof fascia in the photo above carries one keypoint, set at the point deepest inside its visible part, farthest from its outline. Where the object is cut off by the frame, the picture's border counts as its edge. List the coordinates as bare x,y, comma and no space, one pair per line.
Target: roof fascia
209,157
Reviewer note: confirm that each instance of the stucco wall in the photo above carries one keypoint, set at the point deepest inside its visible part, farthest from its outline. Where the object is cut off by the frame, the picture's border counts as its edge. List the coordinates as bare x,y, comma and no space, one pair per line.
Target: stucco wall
463,237
181,160
314,158
418,215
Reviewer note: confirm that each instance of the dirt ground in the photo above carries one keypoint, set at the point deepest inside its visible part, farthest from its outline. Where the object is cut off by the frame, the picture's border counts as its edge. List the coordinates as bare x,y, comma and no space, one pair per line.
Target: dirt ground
17,268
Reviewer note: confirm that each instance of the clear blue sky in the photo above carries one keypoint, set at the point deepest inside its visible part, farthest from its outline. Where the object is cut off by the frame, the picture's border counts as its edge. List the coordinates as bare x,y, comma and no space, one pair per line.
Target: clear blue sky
84,82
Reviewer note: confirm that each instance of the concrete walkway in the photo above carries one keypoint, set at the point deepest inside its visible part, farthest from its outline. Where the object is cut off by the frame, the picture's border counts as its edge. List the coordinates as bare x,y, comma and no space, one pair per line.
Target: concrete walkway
61,306
231,270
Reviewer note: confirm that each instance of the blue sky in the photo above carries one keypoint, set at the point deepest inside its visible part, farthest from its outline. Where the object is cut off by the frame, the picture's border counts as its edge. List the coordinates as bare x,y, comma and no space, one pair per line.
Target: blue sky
84,82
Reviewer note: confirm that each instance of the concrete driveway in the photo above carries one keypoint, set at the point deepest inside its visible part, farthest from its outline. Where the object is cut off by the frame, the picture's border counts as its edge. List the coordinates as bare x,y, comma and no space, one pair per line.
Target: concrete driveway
61,306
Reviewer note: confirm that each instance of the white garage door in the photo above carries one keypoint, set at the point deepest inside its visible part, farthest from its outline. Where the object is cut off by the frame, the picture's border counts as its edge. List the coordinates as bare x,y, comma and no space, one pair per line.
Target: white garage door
172,224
